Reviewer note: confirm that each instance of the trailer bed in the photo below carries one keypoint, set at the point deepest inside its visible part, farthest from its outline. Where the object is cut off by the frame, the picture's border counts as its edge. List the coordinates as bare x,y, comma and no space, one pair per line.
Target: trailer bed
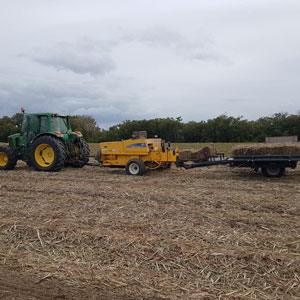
271,165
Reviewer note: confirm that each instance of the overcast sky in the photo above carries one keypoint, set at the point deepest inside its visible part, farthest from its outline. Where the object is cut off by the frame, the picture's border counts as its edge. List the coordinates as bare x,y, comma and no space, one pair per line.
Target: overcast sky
121,60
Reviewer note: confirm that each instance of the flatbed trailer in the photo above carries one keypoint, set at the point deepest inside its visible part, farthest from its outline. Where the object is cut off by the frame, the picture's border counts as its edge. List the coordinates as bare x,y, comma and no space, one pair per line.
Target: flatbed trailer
271,165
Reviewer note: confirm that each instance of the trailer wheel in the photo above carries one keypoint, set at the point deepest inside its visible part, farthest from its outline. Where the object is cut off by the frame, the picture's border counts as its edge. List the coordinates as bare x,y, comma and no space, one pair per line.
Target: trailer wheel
135,167
273,171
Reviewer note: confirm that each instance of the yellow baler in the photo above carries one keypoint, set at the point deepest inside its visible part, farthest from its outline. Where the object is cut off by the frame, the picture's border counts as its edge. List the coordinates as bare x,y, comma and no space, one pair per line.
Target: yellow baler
137,155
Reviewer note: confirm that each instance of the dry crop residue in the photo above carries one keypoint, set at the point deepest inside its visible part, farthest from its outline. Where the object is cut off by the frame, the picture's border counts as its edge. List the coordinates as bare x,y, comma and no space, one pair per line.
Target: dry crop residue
95,233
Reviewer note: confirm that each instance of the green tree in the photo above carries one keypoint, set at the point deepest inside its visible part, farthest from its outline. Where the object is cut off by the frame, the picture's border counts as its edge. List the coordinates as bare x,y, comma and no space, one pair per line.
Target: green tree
220,129
87,126
7,127
17,120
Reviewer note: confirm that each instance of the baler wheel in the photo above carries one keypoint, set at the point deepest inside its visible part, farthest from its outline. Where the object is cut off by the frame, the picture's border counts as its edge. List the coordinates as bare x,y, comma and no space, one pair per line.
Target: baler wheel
98,156
135,167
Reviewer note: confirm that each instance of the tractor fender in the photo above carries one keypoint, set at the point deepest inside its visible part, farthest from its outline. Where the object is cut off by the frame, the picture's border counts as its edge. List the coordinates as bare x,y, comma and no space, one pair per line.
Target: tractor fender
45,134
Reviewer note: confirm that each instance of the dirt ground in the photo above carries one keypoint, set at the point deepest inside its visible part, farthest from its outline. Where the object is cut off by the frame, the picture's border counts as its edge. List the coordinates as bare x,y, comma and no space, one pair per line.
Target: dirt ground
96,233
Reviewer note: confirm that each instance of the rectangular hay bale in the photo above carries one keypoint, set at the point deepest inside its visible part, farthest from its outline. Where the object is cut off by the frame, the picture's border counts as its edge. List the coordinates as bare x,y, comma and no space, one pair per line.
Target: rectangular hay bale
197,155
267,149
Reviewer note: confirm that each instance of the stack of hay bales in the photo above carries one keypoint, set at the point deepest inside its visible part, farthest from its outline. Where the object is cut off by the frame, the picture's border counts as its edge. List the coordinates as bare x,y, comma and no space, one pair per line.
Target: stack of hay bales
267,149
199,155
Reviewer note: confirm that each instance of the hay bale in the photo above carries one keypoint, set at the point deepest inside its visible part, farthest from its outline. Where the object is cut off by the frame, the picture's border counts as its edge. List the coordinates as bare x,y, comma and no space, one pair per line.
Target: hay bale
267,149
185,154
199,155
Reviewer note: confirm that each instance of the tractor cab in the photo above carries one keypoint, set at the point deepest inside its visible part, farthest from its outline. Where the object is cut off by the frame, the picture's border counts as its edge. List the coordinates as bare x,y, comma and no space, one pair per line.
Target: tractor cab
37,124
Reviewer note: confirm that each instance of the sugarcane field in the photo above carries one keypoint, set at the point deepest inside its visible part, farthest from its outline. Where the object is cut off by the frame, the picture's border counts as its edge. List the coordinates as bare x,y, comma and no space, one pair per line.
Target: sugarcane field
150,150
96,233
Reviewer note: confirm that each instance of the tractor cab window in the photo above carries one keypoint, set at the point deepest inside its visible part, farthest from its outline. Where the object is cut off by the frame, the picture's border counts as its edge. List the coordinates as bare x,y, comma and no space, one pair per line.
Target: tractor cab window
25,124
30,128
60,124
30,124
34,124
43,124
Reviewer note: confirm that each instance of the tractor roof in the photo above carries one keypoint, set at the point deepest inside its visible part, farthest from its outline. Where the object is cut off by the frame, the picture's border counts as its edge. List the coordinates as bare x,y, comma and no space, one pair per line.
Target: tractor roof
49,114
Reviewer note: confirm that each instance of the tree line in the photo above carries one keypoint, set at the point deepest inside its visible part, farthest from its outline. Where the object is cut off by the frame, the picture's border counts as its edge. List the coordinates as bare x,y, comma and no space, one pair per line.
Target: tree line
220,129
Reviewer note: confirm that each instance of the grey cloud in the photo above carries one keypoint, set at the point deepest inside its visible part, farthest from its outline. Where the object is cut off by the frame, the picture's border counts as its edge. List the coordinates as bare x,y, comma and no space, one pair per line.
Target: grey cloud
81,57
106,108
198,48
89,45
235,100
91,56
205,56
78,64
158,36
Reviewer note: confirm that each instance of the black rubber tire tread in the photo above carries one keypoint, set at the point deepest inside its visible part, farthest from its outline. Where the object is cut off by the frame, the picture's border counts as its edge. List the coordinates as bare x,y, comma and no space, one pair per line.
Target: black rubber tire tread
167,165
98,156
59,153
63,147
84,154
266,172
11,158
85,150
142,167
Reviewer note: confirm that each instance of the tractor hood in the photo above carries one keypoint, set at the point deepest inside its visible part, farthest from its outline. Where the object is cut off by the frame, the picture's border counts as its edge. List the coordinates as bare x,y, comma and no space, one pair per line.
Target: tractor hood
14,136
69,135
14,140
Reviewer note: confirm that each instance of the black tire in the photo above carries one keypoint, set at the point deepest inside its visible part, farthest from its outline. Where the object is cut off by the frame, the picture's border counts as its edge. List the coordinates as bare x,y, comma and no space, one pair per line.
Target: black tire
135,167
63,148
84,153
167,165
98,156
273,171
8,158
59,154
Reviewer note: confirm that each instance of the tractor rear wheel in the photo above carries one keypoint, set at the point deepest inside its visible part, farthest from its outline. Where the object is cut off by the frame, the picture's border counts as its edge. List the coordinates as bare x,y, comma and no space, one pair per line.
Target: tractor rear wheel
135,167
47,154
8,158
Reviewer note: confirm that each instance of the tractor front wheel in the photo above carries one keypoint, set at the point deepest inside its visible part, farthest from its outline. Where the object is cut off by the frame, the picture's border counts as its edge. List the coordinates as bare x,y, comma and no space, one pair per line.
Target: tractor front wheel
8,158
135,167
47,154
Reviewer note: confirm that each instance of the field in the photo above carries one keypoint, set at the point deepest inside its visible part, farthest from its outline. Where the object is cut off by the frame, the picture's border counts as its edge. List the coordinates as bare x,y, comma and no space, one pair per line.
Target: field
95,233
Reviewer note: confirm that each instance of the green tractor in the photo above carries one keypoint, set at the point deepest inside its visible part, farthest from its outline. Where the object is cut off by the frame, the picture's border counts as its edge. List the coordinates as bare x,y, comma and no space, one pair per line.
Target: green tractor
47,143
